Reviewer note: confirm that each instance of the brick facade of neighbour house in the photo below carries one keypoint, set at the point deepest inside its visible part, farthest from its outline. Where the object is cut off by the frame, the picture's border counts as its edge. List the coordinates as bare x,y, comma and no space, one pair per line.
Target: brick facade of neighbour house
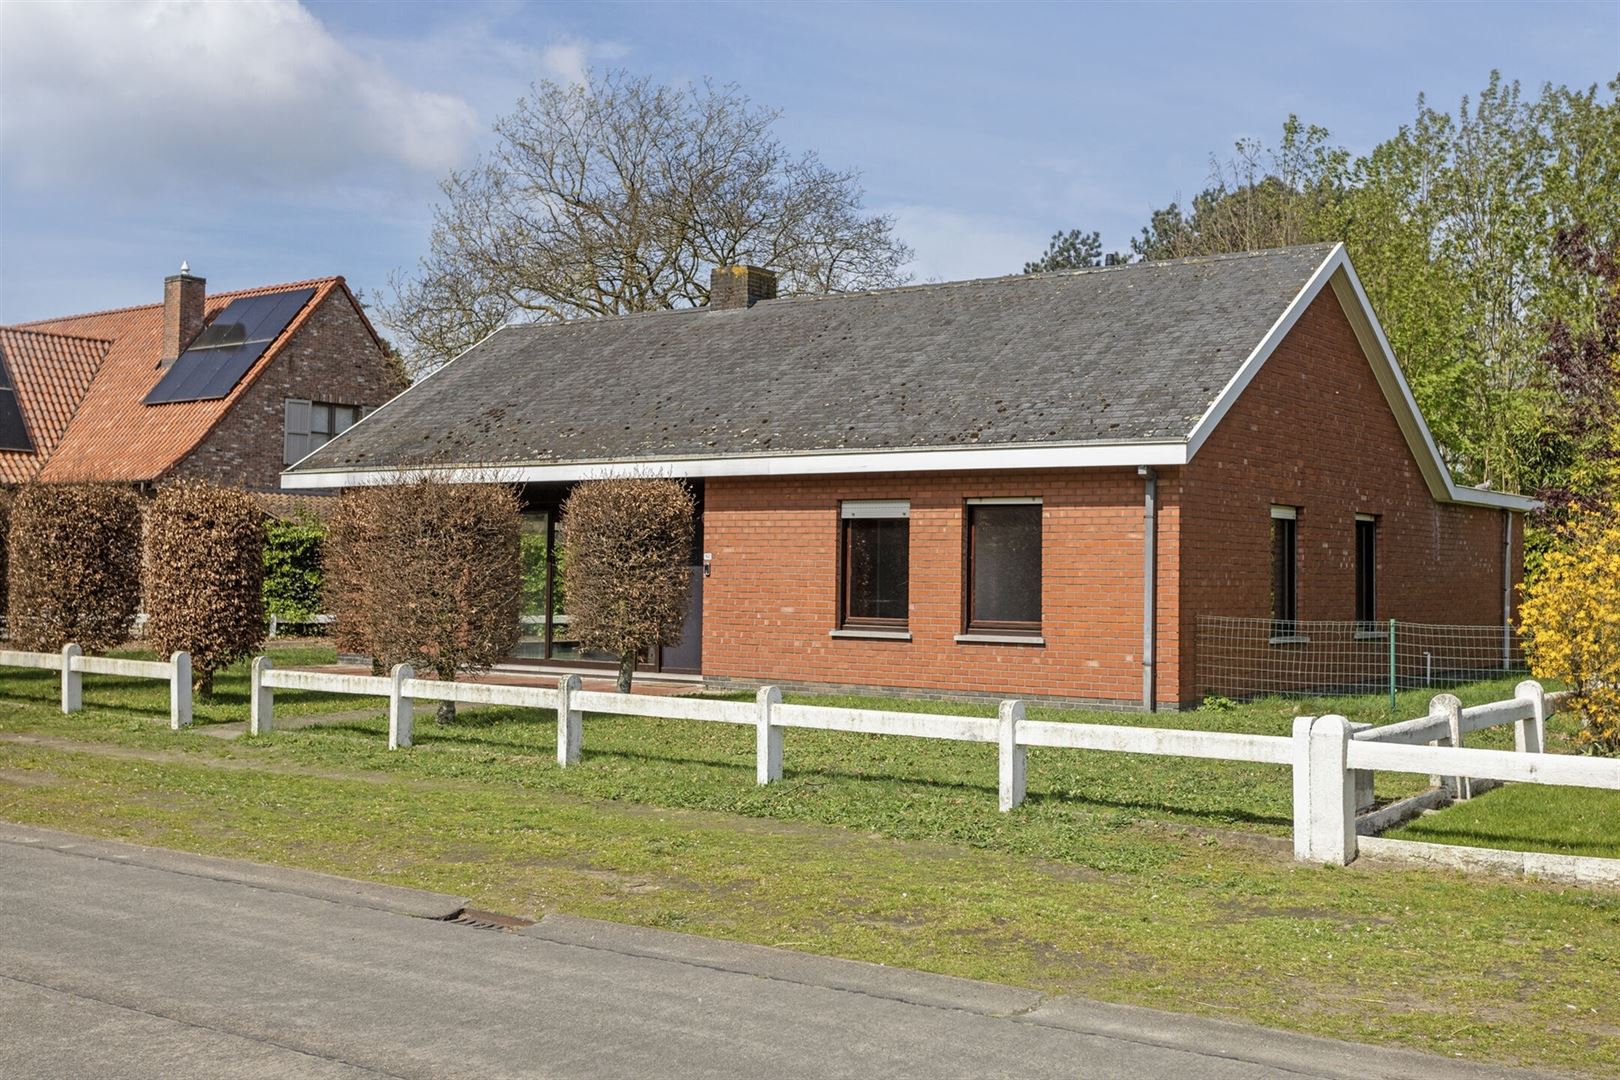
1253,394
114,420
331,357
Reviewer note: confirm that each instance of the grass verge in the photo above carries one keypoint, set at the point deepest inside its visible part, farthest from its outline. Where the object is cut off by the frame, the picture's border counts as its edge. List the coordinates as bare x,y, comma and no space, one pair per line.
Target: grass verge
1143,880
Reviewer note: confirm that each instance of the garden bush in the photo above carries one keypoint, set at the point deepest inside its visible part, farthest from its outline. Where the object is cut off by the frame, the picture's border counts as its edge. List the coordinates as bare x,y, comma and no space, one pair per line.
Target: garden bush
73,566
203,576
1571,623
428,574
292,569
628,567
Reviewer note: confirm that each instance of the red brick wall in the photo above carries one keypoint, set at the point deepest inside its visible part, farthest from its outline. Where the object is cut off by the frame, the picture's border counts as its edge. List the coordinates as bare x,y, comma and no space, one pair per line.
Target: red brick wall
332,358
1313,430
772,597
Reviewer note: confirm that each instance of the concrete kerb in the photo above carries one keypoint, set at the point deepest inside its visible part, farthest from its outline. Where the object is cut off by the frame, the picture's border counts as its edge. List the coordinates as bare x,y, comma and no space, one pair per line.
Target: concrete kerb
310,883
762,961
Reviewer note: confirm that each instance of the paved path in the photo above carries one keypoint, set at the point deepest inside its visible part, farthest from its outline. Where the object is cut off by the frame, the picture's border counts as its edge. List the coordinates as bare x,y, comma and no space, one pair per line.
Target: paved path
133,962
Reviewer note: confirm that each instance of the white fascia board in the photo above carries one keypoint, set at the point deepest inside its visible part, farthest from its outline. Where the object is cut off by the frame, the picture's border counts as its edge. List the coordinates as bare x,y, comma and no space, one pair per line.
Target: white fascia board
1337,270
960,459
1262,352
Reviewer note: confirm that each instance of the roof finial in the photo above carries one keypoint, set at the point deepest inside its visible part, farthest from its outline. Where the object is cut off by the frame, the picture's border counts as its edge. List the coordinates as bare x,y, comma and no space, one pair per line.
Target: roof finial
185,268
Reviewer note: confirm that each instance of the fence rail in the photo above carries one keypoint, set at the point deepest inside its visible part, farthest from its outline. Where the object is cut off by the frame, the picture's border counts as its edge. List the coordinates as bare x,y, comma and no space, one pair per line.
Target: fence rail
1250,658
74,665
1331,759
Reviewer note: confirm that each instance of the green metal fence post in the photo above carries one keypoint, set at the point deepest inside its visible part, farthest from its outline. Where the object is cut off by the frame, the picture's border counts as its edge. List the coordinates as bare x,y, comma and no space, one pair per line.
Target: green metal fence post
1392,667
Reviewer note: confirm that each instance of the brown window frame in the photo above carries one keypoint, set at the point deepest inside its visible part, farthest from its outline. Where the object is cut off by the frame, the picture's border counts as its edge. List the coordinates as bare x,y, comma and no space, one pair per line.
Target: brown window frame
1284,591
846,621
1366,570
972,624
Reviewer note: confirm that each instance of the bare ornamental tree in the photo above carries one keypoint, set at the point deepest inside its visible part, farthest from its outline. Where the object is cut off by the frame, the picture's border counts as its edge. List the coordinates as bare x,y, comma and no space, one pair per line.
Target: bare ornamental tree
618,196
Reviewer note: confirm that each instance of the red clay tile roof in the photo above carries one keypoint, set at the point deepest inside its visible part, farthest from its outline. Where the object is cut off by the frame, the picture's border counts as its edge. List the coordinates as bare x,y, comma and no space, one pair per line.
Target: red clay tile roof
51,373
113,436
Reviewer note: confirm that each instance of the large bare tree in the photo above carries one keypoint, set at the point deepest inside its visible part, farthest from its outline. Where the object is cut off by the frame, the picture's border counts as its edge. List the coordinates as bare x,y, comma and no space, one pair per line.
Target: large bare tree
619,195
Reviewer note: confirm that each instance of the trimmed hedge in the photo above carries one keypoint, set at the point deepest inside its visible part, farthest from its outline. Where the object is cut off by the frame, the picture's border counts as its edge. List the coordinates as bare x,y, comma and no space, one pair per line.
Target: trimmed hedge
5,520
428,574
628,571
74,566
204,576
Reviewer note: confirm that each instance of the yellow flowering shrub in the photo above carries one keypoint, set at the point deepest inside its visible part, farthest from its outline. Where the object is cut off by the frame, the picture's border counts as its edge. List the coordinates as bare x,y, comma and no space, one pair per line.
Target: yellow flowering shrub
1571,624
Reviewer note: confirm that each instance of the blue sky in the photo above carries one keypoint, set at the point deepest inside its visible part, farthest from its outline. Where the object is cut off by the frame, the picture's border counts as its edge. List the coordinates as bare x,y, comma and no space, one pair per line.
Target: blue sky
275,141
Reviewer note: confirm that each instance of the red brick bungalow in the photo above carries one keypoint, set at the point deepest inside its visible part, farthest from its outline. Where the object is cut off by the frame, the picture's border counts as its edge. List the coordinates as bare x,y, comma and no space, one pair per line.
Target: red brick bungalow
231,388
1028,486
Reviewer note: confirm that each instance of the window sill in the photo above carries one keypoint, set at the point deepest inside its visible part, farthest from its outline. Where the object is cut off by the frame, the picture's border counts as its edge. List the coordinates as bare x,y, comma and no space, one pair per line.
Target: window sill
976,638
1372,635
873,635
1289,639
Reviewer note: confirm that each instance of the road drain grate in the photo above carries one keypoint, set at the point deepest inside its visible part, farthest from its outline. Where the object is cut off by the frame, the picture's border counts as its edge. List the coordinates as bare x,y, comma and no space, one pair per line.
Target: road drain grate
486,920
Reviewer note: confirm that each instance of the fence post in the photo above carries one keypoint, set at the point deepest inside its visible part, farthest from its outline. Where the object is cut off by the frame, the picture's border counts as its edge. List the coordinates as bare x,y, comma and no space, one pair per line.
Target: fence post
1530,736
570,732
72,681
1013,758
401,709
180,691
1324,798
1362,779
261,698
768,743
1450,708
1392,682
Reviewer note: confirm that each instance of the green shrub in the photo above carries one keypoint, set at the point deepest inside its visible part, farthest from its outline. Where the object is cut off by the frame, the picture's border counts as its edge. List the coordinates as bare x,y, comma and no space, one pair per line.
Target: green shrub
73,566
292,569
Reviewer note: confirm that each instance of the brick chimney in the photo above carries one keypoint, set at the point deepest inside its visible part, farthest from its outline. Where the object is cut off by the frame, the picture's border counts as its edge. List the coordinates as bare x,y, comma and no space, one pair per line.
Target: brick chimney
183,297
740,286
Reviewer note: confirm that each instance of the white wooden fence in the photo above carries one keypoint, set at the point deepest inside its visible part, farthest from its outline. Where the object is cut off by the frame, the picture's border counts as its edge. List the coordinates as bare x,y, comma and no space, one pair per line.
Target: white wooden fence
1329,756
1326,755
74,665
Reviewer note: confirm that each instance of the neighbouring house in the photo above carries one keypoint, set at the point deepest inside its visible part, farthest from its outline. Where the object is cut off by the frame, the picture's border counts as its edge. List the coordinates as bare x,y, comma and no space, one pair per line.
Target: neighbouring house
1028,486
231,388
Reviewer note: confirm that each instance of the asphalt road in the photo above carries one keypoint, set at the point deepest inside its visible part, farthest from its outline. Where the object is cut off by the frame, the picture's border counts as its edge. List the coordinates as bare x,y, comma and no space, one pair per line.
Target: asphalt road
132,962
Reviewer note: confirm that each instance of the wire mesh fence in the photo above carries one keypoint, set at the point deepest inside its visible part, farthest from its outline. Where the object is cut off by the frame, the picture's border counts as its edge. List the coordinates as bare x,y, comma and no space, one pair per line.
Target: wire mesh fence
1249,658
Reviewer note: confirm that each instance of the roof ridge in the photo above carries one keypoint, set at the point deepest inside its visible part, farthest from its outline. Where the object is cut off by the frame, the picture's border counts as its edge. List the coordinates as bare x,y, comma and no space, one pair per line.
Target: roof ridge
1324,246
24,328
280,287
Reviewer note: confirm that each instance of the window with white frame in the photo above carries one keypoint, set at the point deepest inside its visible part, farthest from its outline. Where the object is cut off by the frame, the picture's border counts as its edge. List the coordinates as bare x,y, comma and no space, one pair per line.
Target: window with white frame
309,425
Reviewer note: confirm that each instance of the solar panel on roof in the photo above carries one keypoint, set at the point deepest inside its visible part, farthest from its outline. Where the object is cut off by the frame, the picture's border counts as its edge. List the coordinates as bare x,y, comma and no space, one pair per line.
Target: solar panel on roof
13,432
228,347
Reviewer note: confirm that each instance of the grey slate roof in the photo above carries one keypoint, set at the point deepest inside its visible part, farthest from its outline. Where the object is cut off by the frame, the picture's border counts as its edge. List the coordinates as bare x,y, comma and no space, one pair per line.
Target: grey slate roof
1122,354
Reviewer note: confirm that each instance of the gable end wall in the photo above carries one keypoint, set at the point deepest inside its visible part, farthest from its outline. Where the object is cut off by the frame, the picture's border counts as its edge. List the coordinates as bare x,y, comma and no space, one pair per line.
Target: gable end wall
331,357
1313,430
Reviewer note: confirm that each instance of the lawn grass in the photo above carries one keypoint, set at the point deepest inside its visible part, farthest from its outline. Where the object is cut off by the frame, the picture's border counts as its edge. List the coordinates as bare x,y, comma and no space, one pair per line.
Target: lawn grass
1124,878
1527,817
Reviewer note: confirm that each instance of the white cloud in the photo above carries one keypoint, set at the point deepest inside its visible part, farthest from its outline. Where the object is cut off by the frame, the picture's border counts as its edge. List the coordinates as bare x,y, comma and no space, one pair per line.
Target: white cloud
130,96
570,61
951,245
